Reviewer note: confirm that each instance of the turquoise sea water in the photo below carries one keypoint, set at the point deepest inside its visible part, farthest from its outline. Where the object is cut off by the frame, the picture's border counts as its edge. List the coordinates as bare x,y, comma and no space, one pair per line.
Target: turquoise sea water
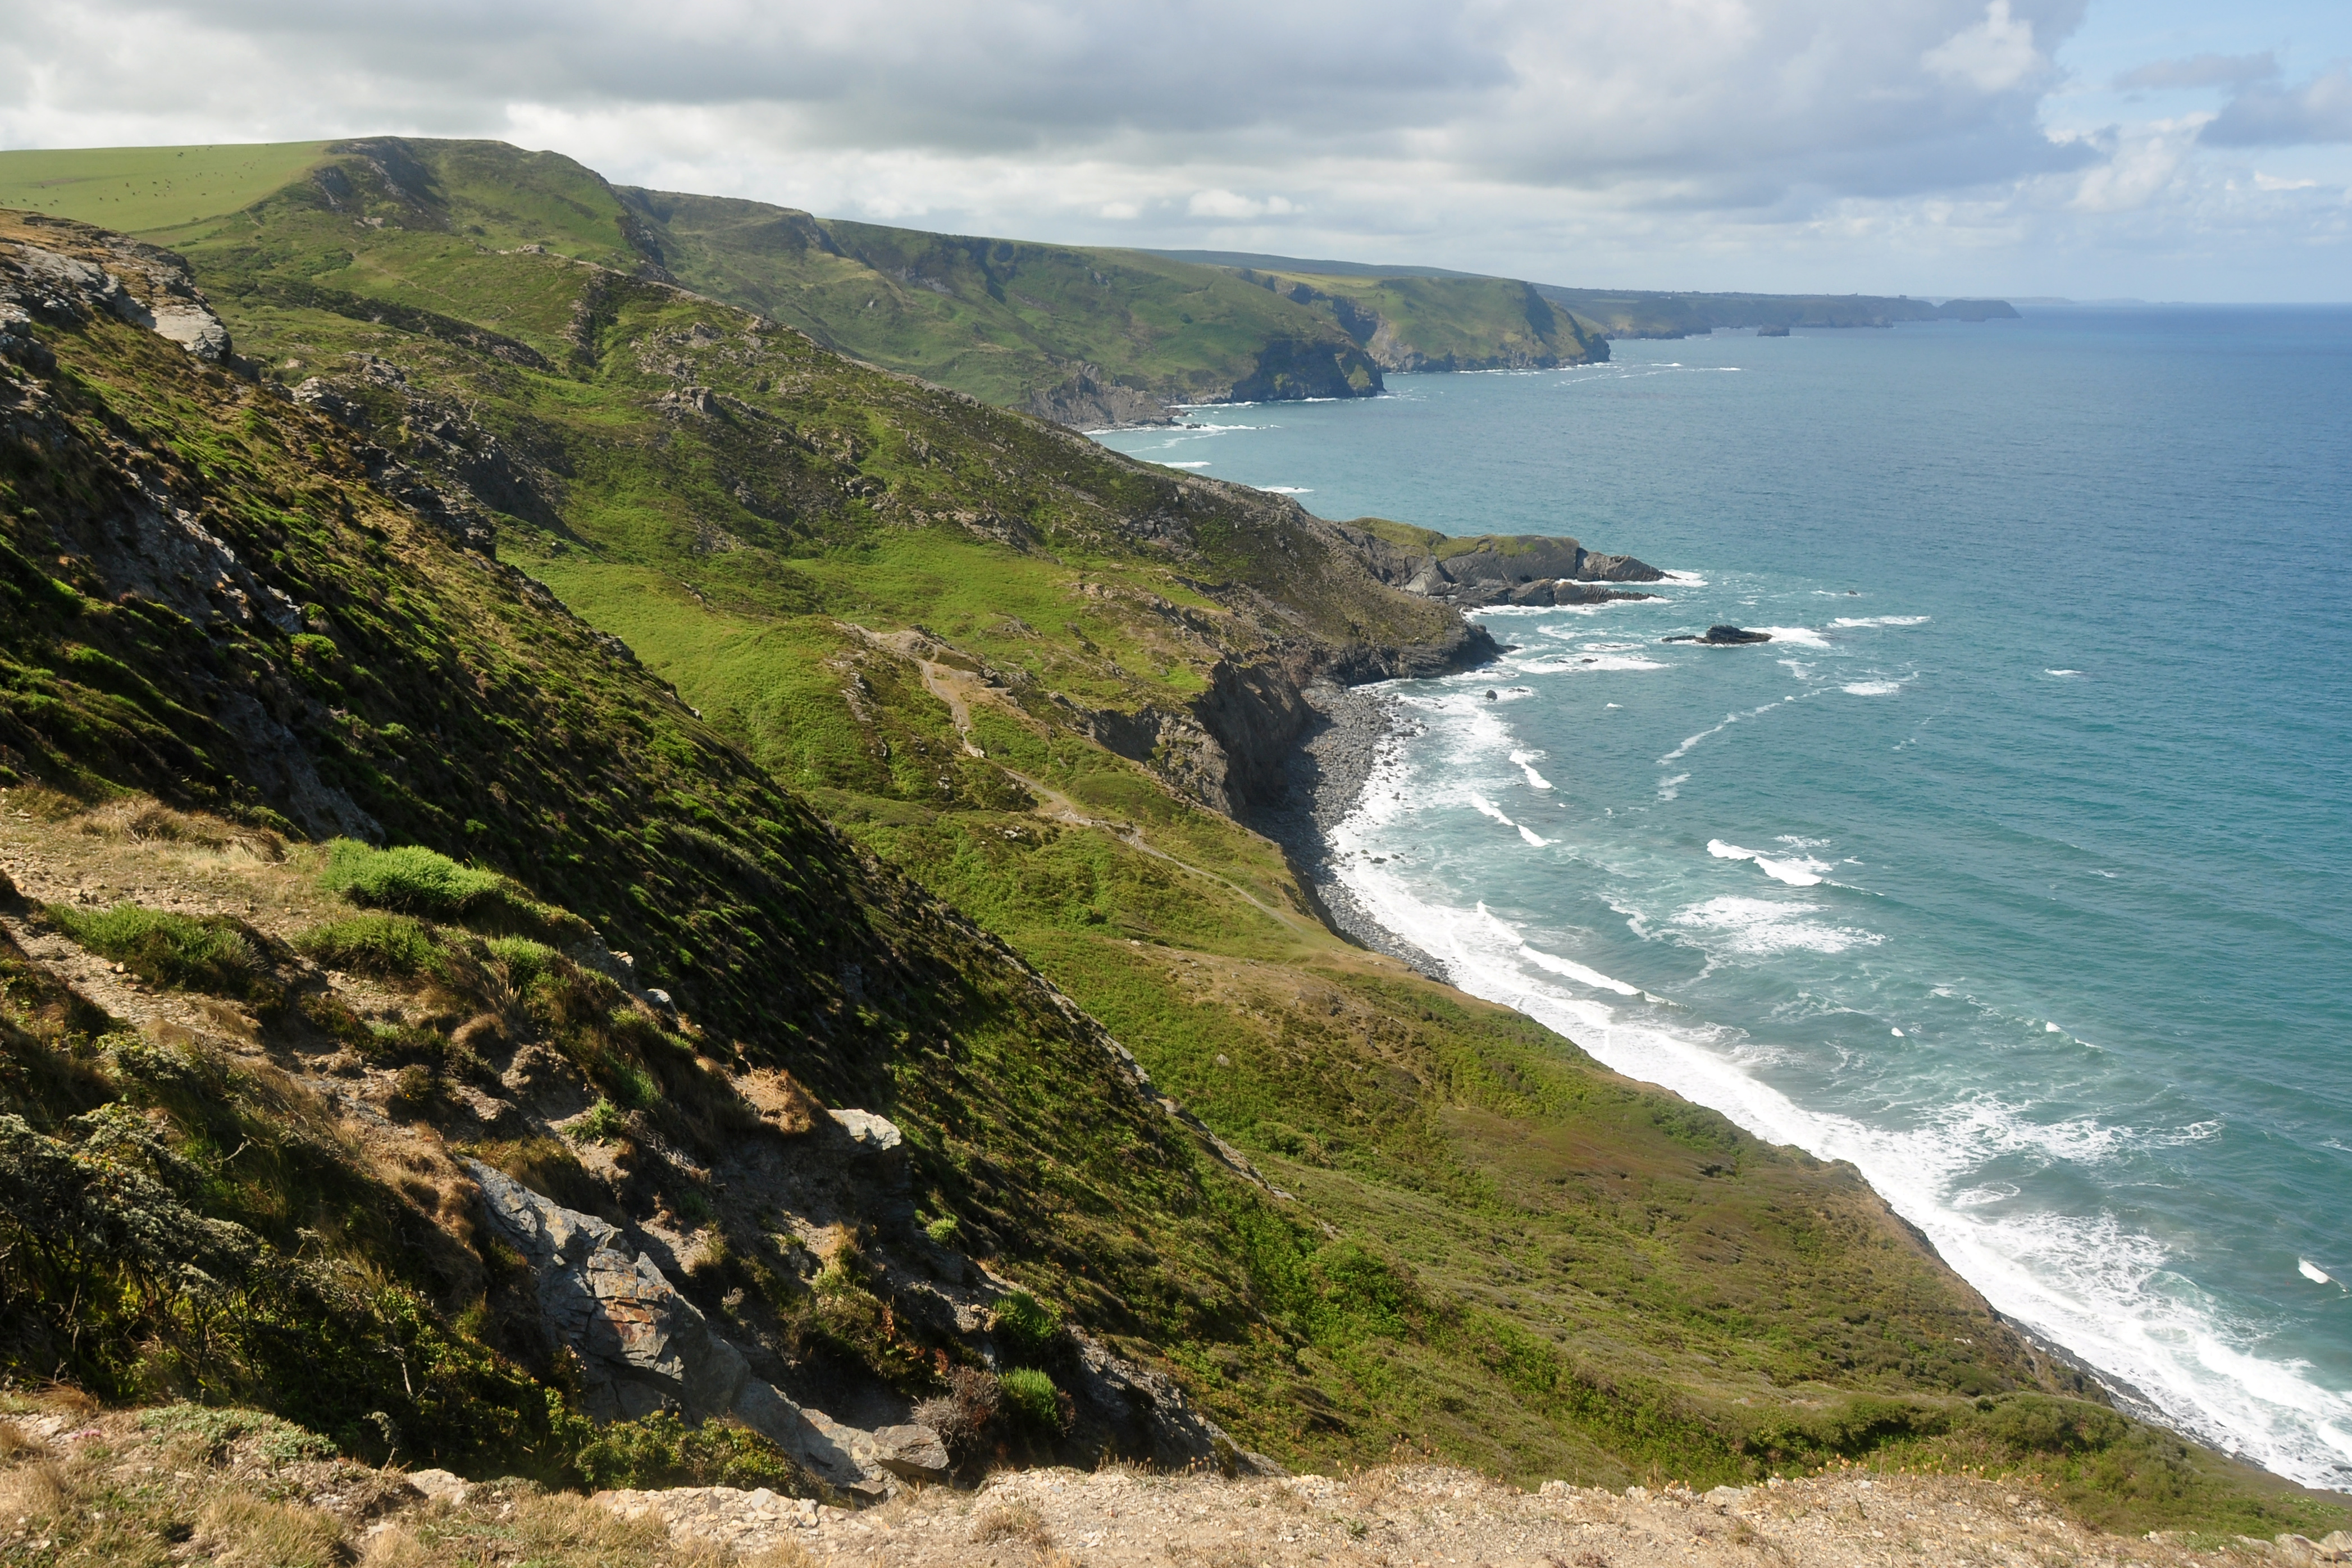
2017,868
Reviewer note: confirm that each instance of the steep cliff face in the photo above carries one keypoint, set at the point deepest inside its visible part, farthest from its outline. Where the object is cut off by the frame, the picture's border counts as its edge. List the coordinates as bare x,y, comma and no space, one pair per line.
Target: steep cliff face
1409,323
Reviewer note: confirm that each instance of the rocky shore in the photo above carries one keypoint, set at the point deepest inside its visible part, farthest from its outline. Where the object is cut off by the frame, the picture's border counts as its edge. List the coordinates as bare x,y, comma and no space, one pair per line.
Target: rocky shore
1326,774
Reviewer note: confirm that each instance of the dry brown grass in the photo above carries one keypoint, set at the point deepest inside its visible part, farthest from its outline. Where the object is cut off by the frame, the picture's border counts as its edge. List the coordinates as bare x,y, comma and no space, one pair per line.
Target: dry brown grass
238,1530
1012,1521
137,819
38,1494
16,1444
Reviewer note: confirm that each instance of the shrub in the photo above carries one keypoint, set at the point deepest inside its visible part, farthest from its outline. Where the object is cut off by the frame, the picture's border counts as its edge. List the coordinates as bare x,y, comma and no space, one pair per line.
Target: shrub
942,1229
1033,1401
389,947
1027,1324
413,1090
211,954
962,1414
601,1123
662,1451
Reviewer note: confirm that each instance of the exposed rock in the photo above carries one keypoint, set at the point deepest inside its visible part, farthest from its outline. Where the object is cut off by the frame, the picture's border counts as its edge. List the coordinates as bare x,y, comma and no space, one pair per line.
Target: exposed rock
1091,400
1566,591
440,1486
872,1133
1496,568
911,1453
143,285
642,1346
1721,637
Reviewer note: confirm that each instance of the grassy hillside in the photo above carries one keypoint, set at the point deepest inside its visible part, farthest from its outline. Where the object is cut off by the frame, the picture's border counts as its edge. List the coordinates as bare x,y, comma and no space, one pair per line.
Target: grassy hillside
1410,322
1018,671
1005,321
150,189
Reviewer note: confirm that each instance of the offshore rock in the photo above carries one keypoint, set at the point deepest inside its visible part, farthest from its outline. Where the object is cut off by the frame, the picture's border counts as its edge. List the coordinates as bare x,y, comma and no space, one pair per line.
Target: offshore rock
1721,637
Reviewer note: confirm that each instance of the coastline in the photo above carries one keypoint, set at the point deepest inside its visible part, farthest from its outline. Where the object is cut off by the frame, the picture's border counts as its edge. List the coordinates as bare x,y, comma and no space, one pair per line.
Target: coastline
1325,774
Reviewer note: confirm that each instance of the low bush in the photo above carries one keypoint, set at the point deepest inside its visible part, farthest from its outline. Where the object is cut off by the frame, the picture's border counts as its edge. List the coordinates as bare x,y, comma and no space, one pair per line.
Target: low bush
212,954
385,946
1025,1325
662,1451
1031,1400
962,1416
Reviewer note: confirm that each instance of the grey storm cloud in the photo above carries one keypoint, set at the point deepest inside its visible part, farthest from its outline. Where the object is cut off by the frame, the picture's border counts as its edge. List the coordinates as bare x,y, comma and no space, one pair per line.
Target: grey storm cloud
1742,102
2268,113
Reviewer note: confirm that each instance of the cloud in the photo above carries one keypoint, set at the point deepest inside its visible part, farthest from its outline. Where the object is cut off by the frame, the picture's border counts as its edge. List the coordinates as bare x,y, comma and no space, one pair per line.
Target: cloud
1994,56
1225,205
1805,144
2270,114
2201,71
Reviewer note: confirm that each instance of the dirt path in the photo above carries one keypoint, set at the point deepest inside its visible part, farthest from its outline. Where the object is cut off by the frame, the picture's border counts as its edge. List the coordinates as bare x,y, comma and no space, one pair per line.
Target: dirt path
1392,1518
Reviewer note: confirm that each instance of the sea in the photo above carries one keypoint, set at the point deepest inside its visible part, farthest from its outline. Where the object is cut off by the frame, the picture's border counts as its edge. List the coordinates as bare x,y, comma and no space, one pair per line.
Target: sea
2015,868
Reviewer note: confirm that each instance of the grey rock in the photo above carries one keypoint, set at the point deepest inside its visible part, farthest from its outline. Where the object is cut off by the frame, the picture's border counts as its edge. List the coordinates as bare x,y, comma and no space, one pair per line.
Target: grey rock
1721,637
873,1134
910,1453
643,1347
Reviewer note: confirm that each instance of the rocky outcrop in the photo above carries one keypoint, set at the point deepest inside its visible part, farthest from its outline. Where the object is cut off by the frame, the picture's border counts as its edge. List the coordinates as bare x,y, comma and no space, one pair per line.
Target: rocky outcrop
1289,369
1091,400
642,1346
1567,591
1721,637
136,283
1498,568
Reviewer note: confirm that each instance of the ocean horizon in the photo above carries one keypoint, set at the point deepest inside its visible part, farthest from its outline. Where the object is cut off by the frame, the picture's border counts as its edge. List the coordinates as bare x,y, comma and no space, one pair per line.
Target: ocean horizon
2013,868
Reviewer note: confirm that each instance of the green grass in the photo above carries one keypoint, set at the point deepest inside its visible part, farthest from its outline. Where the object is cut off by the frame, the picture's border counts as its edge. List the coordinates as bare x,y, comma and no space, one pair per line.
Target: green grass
211,954
144,189
389,947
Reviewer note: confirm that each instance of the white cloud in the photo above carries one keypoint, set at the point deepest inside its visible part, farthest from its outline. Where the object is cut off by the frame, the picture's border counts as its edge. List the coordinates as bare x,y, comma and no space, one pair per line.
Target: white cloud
2139,166
1881,145
1225,205
1994,56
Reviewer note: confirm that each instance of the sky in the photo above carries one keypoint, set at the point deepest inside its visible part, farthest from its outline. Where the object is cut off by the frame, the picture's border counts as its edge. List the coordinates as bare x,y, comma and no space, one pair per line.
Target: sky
2091,149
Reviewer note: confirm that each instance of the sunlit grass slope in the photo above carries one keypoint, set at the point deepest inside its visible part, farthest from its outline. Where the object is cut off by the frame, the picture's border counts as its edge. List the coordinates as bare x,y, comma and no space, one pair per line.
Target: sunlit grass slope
144,190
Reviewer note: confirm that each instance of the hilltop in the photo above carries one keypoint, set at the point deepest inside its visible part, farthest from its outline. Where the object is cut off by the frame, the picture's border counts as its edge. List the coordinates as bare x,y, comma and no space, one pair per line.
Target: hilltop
760,735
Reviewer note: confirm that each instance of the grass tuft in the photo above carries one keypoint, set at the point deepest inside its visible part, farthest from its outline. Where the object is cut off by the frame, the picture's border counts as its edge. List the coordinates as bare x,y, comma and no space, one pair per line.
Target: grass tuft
1033,1401
662,1450
212,954
385,946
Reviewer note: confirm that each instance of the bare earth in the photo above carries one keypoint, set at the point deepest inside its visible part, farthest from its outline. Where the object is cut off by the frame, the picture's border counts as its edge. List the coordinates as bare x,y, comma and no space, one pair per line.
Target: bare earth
1393,1517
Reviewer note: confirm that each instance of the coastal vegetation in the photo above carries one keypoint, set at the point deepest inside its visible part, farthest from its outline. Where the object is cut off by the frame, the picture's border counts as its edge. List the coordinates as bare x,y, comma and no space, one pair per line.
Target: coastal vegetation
518,717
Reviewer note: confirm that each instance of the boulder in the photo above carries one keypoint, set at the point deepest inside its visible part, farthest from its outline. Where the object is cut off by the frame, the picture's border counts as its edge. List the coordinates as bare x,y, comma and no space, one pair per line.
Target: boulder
911,1453
440,1486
